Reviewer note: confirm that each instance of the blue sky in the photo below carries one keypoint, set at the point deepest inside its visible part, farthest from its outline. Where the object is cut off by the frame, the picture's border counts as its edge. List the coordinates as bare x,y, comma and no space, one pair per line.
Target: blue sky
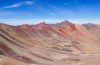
50,11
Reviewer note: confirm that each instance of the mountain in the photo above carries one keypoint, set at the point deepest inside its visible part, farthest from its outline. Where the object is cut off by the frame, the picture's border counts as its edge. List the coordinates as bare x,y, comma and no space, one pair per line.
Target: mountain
62,24
50,44
40,26
44,26
26,26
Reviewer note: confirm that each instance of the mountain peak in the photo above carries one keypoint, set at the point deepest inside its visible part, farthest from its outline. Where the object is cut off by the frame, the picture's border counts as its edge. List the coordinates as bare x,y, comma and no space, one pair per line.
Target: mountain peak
43,26
43,23
66,22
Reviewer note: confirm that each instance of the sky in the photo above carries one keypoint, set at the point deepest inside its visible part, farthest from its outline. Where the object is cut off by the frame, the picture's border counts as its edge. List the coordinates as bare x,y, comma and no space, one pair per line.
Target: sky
51,11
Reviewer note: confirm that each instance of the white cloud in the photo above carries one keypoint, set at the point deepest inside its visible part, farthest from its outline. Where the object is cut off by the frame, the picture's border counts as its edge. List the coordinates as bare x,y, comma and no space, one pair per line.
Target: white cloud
13,5
19,4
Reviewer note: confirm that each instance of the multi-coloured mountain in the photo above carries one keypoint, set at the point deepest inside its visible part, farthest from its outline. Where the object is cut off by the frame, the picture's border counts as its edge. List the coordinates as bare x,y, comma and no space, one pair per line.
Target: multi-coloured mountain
62,43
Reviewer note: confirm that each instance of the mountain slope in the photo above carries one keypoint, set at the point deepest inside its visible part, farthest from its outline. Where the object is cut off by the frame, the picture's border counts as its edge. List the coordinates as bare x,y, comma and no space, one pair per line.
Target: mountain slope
45,44
9,61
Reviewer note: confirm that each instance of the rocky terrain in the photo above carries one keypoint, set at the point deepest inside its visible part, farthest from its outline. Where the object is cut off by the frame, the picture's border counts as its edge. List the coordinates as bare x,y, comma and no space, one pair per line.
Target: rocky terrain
62,43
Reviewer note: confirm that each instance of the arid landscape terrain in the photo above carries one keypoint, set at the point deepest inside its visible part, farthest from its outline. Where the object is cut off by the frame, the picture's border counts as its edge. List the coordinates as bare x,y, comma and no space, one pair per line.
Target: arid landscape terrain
62,43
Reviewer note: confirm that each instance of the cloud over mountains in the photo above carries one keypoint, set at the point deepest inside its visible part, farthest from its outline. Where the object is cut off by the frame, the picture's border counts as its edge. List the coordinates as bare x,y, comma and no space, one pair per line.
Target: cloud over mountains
19,4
